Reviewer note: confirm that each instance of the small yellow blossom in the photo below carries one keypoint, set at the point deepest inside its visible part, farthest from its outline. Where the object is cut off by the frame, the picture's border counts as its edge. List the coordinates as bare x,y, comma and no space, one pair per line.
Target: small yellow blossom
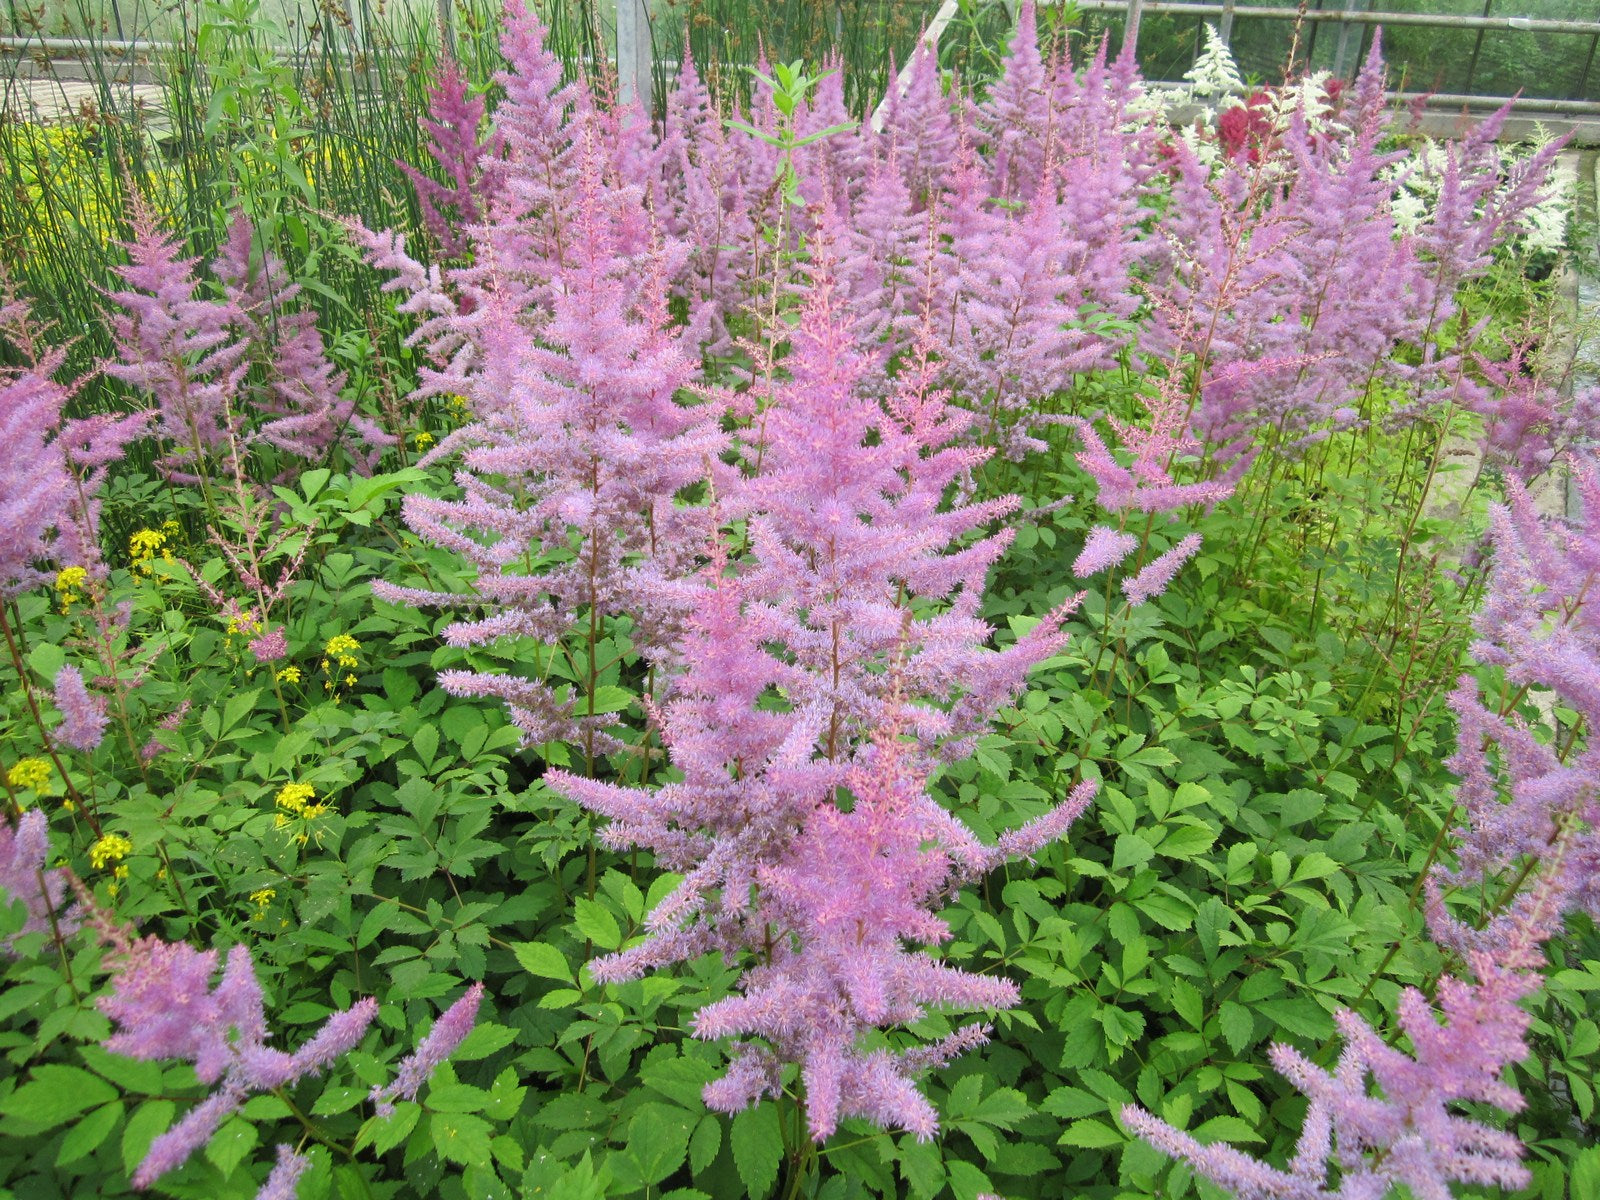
349,681
69,586
244,623
422,439
30,773
109,849
145,544
69,805
293,797
289,675
261,899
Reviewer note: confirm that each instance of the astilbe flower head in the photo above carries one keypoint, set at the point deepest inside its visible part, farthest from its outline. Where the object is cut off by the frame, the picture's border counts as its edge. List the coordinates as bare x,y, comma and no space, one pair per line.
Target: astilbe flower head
588,430
24,849
852,888
454,117
83,715
857,604
163,1006
283,1183
177,347
305,412
447,1034
35,487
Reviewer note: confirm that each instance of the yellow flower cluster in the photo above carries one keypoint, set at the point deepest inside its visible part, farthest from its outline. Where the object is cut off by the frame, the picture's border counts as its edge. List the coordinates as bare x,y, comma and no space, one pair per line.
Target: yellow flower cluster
69,587
261,899
297,800
422,439
30,773
244,623
145,544
113,847
339,655
289,674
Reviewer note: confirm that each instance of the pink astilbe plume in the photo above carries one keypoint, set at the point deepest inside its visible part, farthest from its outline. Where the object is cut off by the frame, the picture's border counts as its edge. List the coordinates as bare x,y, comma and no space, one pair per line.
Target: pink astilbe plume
1386,1116
24,849
305,413
1519,791
448,1032
1528,425
283,1183
1156,446
584,437
851,889
163,1006
83,715
454,117
177,347
36,490
858,605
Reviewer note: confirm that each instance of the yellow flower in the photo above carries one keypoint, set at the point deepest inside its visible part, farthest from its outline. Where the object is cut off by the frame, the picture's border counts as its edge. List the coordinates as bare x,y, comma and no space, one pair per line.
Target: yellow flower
261,899
422,438
109,849
69,585
145,544
289,675
244,623
349,681
30,773
341,645
293,797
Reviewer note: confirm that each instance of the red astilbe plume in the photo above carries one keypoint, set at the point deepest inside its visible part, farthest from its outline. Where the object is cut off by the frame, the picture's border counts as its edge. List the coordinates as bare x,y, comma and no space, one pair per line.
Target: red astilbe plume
305,412
454,118
585,447
177,347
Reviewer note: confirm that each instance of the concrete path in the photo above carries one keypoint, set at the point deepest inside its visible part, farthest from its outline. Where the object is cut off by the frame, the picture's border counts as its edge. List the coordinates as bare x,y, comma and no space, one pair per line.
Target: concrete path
51,100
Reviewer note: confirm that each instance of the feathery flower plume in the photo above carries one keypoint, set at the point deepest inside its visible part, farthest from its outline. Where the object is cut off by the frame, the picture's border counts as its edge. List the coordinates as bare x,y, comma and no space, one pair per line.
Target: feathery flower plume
178,348
24,849
1390,1118
1102,549
448,1032
35,487
1153,579
284,1181
163,1006
83,716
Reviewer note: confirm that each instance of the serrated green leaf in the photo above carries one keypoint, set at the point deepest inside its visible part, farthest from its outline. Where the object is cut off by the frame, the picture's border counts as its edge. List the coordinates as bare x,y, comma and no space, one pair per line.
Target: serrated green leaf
460,1137
543,960
597,924
757,1149
88,1134
1238,1026
56,1092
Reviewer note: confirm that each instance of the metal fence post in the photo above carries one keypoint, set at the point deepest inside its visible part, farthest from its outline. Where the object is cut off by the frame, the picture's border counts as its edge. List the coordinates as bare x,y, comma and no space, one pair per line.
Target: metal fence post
1130,27
634,80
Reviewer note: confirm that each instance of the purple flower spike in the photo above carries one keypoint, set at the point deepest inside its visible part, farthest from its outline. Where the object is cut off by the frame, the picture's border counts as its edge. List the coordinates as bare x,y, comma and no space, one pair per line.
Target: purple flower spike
83,716
448,1032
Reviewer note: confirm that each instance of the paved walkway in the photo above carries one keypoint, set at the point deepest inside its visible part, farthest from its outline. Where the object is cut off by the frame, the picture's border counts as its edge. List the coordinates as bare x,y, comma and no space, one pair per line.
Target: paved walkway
51,100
